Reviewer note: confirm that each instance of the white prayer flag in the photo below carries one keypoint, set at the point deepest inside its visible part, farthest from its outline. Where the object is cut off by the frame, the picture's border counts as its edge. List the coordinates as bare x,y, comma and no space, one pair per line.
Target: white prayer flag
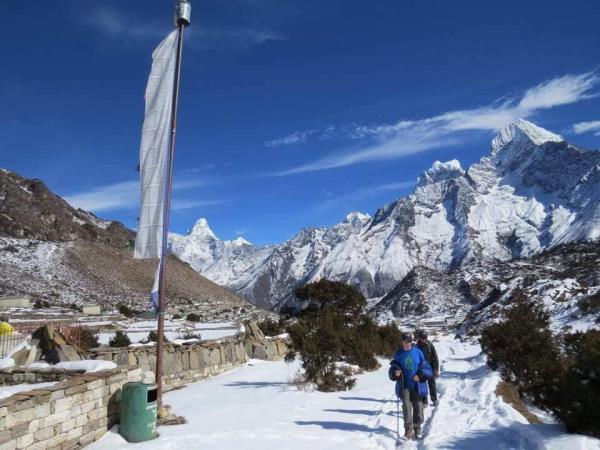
154,149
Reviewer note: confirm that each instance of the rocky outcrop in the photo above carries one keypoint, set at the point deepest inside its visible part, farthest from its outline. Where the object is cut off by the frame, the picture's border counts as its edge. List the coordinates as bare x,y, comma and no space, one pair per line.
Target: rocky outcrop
28,209
565,279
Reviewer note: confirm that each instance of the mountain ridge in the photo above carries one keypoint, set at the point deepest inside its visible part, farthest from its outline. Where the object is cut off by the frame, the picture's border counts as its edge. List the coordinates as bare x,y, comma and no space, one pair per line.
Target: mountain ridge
532,191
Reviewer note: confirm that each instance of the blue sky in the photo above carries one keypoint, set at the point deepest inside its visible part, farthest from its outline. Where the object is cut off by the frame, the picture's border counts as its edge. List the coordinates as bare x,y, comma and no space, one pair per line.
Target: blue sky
292,113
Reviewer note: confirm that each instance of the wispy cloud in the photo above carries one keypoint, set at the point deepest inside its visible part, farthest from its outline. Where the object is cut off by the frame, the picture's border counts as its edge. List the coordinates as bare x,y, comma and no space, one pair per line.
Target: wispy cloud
296,137
126,195
334,201
114,23
408,137
587,127
122,195
182,204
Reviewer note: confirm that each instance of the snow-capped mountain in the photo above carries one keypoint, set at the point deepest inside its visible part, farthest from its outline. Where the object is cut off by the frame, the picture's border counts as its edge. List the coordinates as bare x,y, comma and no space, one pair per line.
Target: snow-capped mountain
532,191
220,261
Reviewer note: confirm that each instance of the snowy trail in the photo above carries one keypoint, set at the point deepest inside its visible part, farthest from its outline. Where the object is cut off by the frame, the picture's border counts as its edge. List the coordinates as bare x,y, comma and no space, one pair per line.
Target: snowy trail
253,407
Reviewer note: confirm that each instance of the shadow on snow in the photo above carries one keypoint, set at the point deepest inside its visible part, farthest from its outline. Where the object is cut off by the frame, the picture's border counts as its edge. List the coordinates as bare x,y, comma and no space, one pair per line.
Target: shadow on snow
348,426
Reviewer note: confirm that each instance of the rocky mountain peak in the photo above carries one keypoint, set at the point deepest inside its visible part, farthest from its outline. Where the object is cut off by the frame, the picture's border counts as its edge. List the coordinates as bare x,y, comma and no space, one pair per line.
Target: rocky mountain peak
28,209
239,241
357,219
201,229
522,131
441,171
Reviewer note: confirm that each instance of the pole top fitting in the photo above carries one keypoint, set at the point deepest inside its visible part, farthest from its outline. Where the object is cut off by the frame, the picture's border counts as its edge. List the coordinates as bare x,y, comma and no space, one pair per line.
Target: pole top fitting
183,13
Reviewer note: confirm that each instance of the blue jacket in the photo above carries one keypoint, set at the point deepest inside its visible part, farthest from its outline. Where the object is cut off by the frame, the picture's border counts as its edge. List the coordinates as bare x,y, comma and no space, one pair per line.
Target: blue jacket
410,362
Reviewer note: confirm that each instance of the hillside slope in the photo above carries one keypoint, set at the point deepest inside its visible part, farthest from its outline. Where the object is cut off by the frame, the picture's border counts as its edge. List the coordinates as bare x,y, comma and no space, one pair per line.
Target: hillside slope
51,251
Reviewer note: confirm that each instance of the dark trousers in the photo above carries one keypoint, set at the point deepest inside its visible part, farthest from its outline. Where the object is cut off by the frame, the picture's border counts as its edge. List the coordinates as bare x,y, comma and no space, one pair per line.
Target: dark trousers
412,409
432,390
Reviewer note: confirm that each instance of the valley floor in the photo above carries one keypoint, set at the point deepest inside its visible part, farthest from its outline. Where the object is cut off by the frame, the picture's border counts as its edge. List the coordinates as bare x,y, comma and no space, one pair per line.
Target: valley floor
254,407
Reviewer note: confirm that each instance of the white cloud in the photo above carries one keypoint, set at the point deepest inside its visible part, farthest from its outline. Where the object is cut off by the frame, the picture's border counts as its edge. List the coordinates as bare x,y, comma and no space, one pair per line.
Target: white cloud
114,196
587,127
115,24
126,195
297,137
408,137
182,204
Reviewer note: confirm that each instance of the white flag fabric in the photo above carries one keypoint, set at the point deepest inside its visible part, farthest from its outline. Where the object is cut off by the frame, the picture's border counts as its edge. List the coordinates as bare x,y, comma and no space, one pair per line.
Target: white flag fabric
156,287
154,149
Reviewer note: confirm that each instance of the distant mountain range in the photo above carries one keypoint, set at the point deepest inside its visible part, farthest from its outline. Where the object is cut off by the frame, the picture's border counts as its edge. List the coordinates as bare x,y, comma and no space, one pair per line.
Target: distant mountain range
52,251
533,191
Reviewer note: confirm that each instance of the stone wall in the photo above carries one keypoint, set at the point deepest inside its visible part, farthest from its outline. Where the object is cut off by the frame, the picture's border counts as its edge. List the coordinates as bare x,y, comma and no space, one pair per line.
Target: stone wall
183,364
19,375
67,415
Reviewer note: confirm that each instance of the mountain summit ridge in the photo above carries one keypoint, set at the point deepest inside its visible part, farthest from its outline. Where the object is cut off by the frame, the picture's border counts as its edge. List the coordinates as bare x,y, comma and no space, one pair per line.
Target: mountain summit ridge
531,192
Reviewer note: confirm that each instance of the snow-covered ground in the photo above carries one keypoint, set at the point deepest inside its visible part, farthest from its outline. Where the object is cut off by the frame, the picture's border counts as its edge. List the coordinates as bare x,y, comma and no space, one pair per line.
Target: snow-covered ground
174,330
7,391
254,407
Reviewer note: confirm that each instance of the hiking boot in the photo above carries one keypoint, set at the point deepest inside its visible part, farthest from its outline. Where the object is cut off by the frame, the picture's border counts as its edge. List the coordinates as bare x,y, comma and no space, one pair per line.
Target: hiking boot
417,433
409,434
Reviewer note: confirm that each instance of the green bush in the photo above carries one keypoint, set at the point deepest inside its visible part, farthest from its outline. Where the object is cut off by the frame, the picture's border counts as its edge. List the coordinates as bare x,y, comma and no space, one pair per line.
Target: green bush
271,328
153,337
558,373
334,327
88,339
39,304
120,339
390,339
193,317
523,348
580,387
126,311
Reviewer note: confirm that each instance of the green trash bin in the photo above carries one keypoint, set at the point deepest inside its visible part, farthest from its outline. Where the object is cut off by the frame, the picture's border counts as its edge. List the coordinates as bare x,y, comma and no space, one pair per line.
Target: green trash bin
138,412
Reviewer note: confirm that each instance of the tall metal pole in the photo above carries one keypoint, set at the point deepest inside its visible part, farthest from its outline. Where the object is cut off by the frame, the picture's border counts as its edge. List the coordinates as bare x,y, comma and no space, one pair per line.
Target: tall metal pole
182,19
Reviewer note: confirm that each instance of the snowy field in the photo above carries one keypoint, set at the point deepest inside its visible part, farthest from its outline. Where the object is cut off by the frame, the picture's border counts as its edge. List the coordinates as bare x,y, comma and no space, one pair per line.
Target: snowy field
174,330
254,407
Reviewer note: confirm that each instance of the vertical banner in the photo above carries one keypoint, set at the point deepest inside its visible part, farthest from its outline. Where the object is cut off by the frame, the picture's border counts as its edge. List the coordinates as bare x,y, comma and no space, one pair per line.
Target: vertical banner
154,148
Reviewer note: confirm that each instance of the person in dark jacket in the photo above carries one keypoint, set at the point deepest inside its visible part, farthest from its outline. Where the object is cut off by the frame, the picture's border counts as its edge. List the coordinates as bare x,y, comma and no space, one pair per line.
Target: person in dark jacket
407,369
432,358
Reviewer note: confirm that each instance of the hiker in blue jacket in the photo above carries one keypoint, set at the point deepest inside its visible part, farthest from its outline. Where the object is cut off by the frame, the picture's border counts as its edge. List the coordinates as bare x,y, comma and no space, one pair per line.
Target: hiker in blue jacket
410,370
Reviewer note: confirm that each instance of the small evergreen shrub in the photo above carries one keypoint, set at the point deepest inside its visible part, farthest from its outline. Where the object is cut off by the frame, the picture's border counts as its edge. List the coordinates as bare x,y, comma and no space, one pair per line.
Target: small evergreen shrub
193,317
559,373
333,328
271,328
390,339
126,311
88,339
120,339
39,304
153,337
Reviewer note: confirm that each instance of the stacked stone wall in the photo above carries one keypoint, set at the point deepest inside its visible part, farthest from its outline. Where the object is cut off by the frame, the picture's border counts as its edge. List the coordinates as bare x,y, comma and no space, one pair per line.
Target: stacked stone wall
67,415
183,364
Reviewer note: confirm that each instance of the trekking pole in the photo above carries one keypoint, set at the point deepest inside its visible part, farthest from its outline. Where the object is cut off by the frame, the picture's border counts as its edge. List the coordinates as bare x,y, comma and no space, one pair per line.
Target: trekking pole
397,421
